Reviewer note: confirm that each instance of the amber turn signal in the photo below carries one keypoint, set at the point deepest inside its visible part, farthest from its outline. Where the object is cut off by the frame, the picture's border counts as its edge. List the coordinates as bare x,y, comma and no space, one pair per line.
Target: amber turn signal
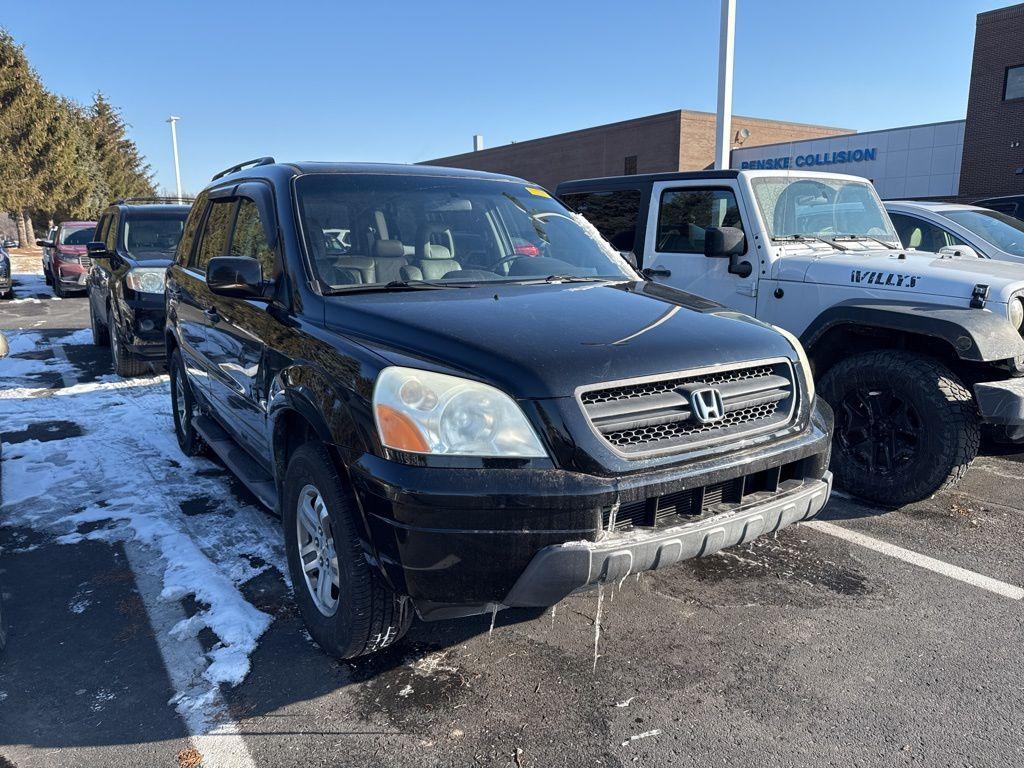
398,431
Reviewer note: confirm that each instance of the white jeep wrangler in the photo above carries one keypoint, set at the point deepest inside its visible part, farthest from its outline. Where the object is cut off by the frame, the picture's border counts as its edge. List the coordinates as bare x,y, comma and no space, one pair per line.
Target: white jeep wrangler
914,351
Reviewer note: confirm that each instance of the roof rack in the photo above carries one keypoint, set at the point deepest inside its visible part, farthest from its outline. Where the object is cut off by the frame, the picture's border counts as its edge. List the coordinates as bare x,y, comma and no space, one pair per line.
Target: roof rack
246,164
172,200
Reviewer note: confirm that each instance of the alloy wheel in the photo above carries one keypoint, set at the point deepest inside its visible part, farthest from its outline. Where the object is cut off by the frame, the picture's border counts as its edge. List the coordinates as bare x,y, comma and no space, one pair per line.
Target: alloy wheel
317,553
879,430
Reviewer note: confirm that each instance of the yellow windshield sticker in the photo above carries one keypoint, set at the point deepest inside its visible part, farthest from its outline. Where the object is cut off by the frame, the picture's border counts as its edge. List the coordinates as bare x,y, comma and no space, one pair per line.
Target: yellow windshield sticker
538,192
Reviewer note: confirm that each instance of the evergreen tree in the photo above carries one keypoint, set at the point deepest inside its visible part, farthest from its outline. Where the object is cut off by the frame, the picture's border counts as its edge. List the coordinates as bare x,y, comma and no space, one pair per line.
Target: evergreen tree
123,169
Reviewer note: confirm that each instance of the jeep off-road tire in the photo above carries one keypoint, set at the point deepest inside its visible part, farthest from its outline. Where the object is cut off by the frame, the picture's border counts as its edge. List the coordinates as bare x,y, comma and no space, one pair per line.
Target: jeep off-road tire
367,615
183,409
121,359
899,405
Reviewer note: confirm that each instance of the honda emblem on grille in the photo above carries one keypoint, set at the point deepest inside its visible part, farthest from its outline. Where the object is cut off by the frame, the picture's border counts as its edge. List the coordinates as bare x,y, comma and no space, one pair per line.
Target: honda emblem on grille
707,405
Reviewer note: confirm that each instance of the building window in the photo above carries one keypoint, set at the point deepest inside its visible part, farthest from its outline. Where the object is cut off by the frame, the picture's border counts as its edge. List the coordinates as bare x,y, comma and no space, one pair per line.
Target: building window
1014,86
629,167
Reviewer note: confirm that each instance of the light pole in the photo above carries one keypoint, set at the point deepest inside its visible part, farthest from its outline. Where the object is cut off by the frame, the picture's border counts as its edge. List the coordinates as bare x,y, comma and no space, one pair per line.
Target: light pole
174,143
724,121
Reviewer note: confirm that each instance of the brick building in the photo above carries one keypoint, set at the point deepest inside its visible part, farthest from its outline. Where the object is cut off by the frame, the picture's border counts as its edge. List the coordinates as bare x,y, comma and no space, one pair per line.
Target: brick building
672,141
993,157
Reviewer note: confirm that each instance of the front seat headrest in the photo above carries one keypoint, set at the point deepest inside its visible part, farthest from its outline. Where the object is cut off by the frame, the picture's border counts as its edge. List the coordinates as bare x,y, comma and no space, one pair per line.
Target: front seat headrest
388,249
435,251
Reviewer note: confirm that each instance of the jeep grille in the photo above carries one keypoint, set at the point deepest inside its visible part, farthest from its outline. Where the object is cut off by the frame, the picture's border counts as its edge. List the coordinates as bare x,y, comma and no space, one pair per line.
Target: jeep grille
641,417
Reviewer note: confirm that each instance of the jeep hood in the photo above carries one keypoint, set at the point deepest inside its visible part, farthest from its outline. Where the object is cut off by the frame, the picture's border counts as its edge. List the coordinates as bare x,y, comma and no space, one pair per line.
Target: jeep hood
537,341
916,273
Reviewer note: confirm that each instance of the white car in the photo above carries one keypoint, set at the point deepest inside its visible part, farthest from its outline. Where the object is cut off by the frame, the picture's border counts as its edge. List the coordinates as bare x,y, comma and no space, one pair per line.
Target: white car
967,230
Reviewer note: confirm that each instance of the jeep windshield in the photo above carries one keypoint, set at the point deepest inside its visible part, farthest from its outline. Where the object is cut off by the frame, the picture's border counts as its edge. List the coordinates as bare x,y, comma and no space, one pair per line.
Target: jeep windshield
390,231
822,209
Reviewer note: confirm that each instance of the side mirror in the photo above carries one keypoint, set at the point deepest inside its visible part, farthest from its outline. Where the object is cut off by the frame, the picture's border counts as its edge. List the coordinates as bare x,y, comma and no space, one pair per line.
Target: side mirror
239,277
961,251
630,257
40,243
728,243
96,248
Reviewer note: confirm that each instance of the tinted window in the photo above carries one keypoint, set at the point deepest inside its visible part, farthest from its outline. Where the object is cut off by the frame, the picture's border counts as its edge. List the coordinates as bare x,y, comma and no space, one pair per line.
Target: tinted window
920,234
613,213
1014,83
686,213
110,235
101,229
1005,232
188,235
215,233
152,236
250,240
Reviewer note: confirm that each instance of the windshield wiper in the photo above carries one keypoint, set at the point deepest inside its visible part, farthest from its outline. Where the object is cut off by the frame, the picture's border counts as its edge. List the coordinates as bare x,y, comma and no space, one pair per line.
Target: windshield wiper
568,279
394,285
803,238
856,238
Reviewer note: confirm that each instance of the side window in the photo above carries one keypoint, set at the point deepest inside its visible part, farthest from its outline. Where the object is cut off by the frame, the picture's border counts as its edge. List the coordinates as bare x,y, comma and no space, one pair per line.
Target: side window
920,234
215,233
250,240
100,235
188,235
110,235
614,214
684,214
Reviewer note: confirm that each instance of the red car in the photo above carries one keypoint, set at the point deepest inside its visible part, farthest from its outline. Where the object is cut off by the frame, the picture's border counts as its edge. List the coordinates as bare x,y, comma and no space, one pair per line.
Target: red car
65,261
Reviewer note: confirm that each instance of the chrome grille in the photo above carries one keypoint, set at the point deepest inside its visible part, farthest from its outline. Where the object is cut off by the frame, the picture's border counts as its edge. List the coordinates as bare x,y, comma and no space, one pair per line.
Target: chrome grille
638,417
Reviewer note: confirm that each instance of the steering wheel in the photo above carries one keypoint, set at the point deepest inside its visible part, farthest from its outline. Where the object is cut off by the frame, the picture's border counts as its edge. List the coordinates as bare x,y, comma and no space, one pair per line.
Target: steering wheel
507,260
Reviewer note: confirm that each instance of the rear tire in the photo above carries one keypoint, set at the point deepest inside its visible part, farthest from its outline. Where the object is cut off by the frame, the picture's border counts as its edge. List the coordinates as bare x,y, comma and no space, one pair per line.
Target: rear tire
361,613
906,426
121,359
100,332
183,408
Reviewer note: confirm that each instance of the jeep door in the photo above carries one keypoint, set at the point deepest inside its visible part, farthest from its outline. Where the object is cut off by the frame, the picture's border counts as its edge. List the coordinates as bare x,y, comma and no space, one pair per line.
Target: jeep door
235,328
679,213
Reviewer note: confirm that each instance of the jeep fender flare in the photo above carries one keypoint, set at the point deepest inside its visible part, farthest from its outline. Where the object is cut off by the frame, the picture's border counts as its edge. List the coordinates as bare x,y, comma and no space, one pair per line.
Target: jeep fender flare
974,335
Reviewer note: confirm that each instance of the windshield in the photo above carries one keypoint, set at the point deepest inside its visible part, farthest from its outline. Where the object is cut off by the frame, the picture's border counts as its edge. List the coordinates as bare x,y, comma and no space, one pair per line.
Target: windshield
824,208
77,235
377,229
1004,232
153,236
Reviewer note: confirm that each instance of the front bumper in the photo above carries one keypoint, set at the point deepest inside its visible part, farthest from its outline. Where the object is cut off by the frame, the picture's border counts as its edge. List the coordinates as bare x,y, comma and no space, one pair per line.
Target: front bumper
141,320
461,541
557,571
1001,403
72,276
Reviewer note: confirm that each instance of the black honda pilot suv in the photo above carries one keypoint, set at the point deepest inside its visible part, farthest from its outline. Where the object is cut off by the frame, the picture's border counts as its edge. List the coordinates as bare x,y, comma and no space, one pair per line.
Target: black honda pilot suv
459,398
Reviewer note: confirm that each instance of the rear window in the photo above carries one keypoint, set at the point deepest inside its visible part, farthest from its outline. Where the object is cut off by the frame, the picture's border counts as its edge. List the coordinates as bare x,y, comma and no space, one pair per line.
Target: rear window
77,235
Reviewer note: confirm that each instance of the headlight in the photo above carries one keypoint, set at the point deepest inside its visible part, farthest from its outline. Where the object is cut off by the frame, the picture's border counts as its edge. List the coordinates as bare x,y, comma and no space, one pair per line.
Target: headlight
805,364
1015,309
146,279
424,412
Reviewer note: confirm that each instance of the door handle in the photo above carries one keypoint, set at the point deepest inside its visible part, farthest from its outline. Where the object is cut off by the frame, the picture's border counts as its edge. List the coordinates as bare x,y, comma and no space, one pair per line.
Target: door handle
657,272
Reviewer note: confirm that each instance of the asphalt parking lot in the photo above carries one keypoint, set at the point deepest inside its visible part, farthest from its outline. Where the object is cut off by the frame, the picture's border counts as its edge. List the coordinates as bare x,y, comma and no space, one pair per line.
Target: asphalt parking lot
151,624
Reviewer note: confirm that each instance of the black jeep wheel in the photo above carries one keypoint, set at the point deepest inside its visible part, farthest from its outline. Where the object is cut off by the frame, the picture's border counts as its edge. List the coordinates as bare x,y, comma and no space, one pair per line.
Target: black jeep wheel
906,426
121,359
346,604
183,408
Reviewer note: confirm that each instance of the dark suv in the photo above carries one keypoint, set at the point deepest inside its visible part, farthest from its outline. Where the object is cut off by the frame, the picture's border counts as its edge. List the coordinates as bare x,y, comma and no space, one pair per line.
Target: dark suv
459,398
135,241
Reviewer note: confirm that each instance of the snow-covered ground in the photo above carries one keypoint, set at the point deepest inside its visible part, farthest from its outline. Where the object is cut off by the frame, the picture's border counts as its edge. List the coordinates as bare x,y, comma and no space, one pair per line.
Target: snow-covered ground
124,478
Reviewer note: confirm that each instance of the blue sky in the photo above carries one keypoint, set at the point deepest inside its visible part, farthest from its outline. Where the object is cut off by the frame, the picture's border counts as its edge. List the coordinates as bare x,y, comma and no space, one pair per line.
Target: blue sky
408,81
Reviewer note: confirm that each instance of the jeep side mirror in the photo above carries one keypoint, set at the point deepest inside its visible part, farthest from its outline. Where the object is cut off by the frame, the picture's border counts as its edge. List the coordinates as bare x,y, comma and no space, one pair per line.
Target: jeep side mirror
728,243
96,248
238,277
40,243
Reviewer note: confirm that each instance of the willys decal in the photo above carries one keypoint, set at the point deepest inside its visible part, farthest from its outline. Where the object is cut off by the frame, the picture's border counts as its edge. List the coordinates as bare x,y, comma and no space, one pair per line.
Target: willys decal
884,278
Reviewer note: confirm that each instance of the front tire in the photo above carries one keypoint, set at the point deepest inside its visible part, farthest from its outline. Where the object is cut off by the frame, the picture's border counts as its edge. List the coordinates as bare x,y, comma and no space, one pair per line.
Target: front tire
121,359
183,408
906,426
346,604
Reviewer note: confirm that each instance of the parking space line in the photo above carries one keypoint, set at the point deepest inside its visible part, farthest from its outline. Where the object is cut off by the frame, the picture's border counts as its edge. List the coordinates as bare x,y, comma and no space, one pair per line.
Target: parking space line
221,746
922,561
